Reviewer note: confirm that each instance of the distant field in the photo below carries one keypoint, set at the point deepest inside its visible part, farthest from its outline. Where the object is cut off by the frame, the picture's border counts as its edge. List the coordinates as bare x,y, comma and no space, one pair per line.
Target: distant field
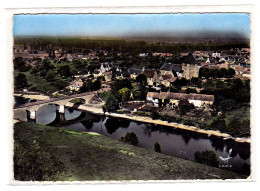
135,44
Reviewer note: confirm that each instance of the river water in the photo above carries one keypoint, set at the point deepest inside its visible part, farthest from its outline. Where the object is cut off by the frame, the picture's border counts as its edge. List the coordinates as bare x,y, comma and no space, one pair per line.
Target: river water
173,141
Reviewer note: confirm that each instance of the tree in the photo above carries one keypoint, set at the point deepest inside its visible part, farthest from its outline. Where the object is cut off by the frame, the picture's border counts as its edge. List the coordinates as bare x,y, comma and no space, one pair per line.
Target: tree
101,78
122,83
190,90
184,107
207,157
209,84
20,81
230,73
111,102
237,84
124,94
50,76
140,92
183,82
34,71
157,147
239,128
83,88
95,85
228,104
195,82
60,84
43,73
64,70
142,79
219,124
220,84
19,64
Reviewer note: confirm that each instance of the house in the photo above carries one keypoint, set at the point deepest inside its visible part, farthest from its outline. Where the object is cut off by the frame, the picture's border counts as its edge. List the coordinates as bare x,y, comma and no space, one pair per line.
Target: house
119,74
173,99
172,69
96,73
143,54
190,67
153,98
108,76
152,76
167,80
76,84
105,67
216,54
134,72
162,54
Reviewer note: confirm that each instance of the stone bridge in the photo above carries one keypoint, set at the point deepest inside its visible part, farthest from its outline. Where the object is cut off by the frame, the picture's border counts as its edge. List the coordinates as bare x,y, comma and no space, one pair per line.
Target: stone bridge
61,102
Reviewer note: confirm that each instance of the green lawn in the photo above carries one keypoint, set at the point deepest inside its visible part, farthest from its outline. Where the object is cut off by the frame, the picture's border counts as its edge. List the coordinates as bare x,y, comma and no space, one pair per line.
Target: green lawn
39,83
241,113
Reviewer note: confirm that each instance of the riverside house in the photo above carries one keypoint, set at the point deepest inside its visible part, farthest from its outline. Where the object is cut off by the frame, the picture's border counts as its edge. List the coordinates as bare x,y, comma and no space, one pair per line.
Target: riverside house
173,99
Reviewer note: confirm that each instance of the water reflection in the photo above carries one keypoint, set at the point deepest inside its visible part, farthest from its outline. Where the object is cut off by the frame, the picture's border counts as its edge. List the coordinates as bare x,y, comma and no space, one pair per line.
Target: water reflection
46,114
71,113
217,143
173,141
112,124
90,122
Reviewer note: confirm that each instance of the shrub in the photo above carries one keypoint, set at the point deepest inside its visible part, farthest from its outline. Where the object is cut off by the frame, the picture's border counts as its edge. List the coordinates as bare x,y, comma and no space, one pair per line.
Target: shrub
207,157
130,138
78,101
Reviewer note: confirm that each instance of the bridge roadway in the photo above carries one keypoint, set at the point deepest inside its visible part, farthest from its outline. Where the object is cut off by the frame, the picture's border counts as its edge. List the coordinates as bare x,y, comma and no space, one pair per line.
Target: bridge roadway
31,108
53,100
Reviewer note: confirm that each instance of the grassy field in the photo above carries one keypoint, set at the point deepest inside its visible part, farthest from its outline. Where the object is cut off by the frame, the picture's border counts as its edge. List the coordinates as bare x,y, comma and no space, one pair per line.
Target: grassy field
241,113
51,153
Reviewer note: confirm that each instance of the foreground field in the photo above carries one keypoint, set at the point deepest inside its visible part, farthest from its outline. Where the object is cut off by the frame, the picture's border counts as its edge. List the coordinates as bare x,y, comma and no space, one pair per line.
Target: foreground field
49,153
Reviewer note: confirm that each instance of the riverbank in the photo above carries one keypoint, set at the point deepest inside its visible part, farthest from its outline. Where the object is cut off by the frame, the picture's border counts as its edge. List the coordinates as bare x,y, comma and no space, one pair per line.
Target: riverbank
99,110
56,154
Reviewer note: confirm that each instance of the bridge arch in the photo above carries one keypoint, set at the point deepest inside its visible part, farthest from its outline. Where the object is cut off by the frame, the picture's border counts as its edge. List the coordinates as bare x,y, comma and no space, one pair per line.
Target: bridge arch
32,109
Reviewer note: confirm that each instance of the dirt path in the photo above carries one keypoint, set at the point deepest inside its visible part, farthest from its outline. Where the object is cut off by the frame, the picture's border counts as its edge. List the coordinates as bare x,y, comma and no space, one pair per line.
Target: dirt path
37,97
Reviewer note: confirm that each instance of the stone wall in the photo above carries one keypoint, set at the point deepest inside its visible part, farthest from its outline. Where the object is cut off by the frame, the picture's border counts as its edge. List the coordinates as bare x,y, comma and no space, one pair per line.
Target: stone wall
190,70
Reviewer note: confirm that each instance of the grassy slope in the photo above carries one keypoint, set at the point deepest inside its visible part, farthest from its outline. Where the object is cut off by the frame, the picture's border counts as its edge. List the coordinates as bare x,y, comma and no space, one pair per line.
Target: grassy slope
95,157
38,82
242,113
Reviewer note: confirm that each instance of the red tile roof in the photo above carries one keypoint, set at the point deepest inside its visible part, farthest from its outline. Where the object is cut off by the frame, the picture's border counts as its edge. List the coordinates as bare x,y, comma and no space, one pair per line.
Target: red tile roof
180,96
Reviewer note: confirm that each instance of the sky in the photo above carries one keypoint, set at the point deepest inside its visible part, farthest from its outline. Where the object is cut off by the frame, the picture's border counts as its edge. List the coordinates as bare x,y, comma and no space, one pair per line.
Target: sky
127,25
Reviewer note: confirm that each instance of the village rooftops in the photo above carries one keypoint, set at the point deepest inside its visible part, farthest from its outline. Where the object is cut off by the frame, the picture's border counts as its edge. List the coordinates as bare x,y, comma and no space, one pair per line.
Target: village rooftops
180,96
171,67
149,73
135,71
189,59
120,73
168,77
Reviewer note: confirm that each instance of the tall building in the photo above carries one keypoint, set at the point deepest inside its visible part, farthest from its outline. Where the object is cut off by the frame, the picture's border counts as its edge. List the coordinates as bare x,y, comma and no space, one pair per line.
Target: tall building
190,67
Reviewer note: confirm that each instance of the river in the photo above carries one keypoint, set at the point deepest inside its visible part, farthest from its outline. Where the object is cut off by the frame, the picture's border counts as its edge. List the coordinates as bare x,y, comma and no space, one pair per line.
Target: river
173,141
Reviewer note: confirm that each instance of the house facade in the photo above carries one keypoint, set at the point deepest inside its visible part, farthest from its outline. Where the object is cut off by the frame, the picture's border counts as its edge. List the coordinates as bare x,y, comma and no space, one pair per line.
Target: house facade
152,76
173,99
76,85
190,67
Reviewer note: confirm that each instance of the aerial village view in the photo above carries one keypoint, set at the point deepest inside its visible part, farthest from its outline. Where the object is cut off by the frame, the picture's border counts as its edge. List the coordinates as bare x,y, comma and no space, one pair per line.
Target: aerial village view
131,97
